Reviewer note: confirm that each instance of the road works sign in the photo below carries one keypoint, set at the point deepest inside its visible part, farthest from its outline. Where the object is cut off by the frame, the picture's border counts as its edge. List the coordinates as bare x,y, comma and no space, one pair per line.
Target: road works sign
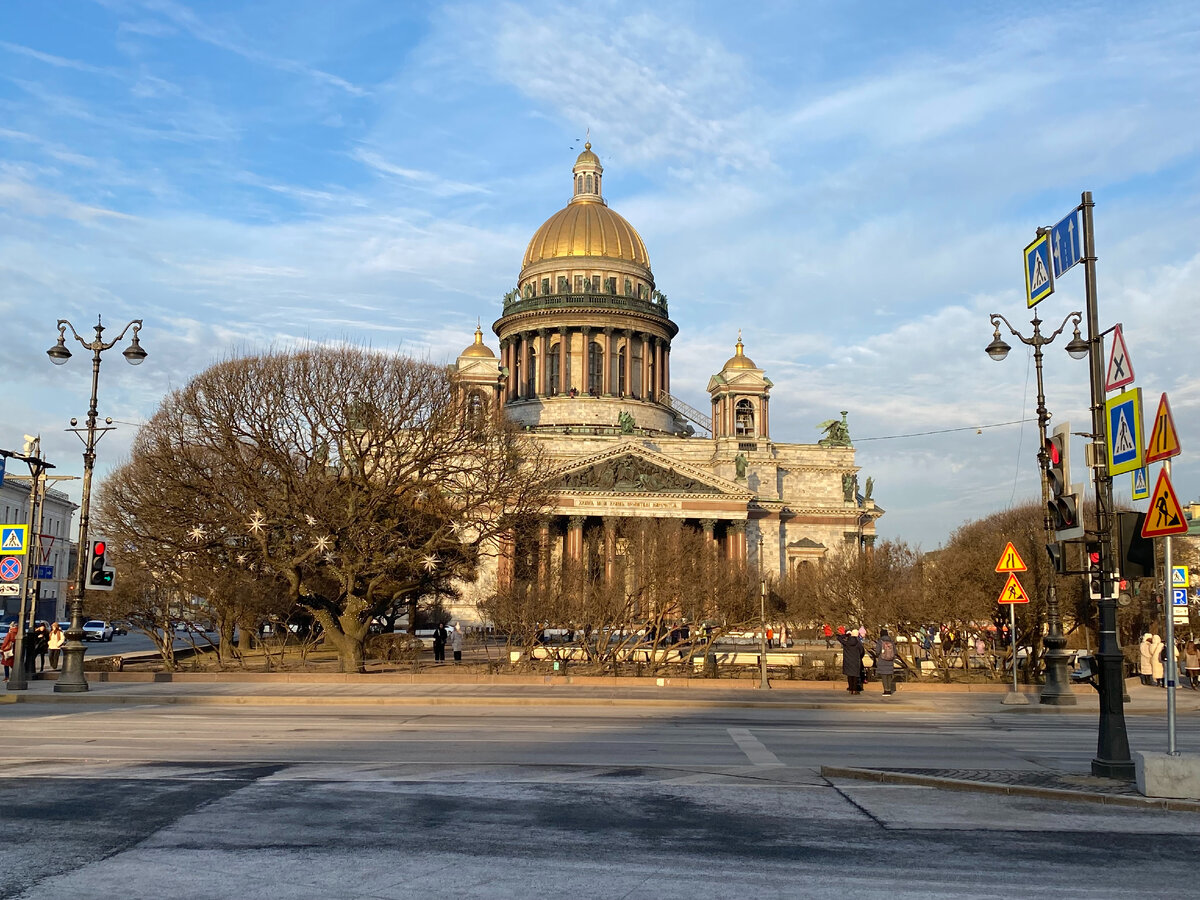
1164,439
1123,414
1165,516
1120,367
1010,560
14,539
1013,592
1039,283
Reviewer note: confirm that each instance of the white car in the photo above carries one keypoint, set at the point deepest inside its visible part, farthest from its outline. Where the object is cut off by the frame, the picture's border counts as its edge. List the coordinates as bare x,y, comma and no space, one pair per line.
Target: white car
96,630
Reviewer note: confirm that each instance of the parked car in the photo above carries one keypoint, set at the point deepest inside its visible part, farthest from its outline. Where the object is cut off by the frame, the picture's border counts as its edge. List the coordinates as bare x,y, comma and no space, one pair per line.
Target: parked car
95,630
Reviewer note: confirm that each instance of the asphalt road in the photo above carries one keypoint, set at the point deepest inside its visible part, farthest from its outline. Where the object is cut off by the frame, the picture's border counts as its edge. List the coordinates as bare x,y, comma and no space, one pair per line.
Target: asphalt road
495,802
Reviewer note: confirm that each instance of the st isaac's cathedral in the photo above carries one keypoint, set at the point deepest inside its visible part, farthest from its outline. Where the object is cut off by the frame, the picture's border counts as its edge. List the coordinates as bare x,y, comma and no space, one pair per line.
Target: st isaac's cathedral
585,368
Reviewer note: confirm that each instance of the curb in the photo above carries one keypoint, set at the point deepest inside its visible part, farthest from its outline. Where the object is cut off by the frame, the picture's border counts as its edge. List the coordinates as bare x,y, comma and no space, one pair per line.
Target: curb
985,787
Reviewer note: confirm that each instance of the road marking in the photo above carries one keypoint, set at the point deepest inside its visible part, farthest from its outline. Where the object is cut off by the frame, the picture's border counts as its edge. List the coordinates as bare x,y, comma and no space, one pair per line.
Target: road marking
753,748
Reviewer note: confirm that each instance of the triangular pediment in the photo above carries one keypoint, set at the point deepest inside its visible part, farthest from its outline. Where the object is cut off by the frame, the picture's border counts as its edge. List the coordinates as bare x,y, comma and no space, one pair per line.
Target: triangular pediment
634,469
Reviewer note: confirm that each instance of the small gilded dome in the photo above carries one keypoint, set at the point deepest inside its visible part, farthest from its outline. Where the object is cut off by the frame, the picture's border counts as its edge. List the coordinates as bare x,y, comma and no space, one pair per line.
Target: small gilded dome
588,158
479,348
739,360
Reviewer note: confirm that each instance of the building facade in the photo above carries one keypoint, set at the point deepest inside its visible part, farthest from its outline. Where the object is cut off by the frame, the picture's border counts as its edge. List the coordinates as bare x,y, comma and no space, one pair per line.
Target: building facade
584,366
53,547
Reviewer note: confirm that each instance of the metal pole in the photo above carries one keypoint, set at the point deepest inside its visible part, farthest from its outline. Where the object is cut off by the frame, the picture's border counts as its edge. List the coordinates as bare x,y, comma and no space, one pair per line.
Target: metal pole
1169,607
762,620
1012,618
71,678
1112,758
19,679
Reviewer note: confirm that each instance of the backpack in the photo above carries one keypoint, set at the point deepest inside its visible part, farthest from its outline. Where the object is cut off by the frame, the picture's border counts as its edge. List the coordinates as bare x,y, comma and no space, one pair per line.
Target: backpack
887,651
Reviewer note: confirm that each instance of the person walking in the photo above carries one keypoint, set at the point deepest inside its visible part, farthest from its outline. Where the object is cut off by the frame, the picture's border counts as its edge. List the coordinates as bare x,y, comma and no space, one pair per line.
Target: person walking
852,660
6,649
1191,665
439,643
456,642
885,661
55,642
41,644
1146,659
828,637
1157,651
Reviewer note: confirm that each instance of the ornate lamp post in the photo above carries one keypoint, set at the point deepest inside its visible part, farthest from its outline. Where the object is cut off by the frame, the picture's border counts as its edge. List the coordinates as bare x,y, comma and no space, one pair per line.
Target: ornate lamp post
71,678
1057,689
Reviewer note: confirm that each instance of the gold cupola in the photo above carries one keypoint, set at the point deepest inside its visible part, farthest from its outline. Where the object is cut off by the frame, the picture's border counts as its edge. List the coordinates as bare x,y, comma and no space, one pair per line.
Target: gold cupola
739,360
478,348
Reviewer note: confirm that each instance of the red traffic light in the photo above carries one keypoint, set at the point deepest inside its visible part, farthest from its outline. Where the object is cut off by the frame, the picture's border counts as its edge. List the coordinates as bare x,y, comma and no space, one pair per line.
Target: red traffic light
98,548
1053,451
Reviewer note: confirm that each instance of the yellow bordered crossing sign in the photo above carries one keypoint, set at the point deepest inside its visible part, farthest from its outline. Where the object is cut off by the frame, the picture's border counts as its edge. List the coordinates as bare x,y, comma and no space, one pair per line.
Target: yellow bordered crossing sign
1010,560
1123,434
1039,277
1013,592
14,539
1141,483
1164,439
1165,516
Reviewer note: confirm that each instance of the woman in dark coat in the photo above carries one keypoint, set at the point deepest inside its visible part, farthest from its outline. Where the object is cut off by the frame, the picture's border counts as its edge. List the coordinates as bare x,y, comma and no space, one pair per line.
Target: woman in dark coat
852,660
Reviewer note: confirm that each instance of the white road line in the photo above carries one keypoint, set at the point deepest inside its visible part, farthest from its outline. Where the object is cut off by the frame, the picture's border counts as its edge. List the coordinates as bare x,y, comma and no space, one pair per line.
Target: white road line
753,748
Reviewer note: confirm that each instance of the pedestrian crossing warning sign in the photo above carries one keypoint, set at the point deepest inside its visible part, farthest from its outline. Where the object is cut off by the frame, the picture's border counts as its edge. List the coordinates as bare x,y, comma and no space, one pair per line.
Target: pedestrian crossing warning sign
14,539
1123,434
1164,439
1141,484
1013,592
1165,516
1010,560
1039,283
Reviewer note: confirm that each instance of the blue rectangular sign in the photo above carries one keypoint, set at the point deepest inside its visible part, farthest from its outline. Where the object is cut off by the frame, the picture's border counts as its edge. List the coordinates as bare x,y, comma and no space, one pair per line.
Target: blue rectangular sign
43,573
1066,243
1179,596
3,460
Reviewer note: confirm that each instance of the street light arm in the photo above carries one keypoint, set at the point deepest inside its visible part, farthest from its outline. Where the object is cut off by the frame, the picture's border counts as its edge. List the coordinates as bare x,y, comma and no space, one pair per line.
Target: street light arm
1038,339
98,344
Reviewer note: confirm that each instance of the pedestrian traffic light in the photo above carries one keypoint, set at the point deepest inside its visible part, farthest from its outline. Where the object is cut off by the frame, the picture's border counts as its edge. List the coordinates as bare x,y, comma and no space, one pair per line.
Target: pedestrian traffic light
100,575
1137,552
1057,559
1063,504
1091,562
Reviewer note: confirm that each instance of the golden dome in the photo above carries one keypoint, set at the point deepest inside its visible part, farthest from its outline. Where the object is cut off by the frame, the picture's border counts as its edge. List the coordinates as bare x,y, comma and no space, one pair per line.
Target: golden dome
587,229
588,158
479,348
739,360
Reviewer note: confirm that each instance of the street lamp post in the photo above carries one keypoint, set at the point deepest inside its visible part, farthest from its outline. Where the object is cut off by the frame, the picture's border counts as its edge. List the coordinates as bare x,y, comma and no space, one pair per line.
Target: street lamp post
71,679
762,619
19,680
1057,689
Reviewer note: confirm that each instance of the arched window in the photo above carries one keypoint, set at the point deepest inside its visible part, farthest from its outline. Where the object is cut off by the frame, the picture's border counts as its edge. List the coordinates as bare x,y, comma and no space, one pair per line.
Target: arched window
595,368
589,183
628,288
554,363
743,417
531,381
621,387
579,184
476,404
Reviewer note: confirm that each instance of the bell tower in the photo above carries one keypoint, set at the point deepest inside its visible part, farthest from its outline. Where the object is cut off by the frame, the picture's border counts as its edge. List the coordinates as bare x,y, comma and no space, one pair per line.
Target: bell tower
740,395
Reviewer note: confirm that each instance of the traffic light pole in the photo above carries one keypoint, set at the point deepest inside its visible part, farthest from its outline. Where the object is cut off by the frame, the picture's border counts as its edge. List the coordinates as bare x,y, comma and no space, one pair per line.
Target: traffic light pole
19,679
1112,745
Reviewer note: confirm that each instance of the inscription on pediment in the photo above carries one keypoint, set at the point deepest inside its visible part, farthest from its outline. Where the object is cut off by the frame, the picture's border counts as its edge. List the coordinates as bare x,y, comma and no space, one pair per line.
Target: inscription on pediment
632,474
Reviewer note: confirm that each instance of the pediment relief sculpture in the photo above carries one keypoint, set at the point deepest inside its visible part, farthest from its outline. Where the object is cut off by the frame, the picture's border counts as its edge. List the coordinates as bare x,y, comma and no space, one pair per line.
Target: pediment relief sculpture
632,474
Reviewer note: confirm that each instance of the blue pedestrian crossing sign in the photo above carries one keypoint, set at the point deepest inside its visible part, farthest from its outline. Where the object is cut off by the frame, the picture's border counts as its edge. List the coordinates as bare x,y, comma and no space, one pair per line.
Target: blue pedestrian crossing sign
14,539
1066,243
1141,484
1039,282
1123,416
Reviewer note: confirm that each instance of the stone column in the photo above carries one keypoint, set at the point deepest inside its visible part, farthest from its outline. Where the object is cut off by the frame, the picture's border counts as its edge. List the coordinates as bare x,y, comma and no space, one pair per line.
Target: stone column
523,349
647,349
585,372
665,369
575,538
542,358
610,547
504,563
564,360
763,428
708,526
606,385
737,542
658,368
544,554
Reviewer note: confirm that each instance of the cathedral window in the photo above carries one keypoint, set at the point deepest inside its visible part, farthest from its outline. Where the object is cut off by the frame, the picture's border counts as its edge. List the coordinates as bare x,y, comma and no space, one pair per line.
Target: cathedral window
589,184
621,387
579,284
595,368
475,408
595,284
564,284
554,364
545,286
579,184
531,385
743,417
628,288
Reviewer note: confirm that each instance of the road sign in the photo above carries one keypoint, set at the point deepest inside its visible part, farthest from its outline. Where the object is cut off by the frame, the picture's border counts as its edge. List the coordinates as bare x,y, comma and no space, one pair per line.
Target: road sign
1013,592
1124,433
1164,439
3,460
10,568
1180,577
1010,560
1120,366
14,539
8,589
1066,243
1179,597
1039,283
43,573
1165,516
1141,483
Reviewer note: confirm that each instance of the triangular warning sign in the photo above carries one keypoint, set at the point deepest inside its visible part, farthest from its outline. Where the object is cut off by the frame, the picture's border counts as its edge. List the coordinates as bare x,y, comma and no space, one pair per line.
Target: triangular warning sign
1164,439
1165,515
1010,560
1013,592
1120,367
1123,440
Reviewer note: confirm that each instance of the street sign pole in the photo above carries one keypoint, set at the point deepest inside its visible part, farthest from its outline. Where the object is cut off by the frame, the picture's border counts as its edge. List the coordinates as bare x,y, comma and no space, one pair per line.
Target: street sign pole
1112,758
19,679
1169,611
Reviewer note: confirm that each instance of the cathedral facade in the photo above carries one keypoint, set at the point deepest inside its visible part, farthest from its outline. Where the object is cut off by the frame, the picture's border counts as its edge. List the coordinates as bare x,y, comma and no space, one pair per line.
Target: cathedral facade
584,367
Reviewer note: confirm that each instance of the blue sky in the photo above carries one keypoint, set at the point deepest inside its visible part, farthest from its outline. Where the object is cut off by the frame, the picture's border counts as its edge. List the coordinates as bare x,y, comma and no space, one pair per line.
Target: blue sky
851,184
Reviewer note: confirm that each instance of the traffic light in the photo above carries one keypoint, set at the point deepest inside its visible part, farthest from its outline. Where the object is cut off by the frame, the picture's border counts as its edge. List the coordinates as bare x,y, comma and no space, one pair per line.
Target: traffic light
1091,563
1137,552
1057,559
1063,504
100,574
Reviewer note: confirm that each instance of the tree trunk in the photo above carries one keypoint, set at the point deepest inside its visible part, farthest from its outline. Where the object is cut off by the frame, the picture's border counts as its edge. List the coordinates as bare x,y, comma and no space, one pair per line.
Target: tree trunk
226,652
245,642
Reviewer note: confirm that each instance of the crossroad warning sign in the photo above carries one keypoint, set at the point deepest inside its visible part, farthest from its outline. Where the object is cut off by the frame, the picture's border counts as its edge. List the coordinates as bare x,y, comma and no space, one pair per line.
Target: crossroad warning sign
1013,592
1010,560
1165,516
14,539
1164,439
1120,368
1123,434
